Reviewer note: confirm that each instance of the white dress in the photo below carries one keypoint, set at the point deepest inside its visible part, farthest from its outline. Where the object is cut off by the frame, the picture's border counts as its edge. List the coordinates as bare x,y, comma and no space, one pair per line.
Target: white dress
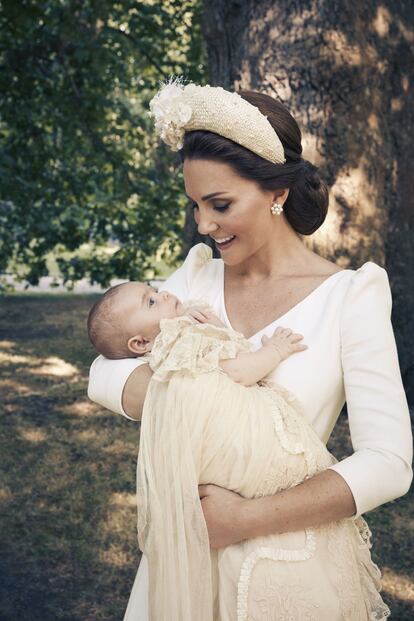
346,324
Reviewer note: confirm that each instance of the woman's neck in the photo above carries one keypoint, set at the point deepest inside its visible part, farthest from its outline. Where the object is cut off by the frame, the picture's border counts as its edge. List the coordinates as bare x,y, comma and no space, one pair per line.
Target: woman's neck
283,256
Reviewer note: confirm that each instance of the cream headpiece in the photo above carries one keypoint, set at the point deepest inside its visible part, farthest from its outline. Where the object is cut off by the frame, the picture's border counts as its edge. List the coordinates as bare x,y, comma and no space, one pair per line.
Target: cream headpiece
177,108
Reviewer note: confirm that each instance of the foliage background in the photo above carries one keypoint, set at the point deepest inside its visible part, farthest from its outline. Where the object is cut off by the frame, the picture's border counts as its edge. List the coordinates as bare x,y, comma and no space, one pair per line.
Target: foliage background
82,176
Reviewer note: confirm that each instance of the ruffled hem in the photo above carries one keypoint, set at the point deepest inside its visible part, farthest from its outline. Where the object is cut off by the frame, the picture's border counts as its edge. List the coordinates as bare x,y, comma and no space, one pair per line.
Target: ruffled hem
370,575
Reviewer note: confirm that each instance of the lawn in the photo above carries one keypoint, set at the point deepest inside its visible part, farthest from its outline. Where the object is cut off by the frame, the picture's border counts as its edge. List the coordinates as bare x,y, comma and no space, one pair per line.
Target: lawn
68,519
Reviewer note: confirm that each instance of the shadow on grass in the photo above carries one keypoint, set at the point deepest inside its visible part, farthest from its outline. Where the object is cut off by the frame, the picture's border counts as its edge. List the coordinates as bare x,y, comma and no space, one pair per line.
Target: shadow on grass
68,517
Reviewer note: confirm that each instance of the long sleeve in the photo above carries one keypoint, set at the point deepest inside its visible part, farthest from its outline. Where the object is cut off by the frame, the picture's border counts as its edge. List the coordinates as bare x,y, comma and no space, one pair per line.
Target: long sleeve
107,378
380,469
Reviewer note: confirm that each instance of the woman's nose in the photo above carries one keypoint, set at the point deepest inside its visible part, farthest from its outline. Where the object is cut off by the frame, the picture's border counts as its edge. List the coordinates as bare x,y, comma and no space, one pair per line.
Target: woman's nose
205,225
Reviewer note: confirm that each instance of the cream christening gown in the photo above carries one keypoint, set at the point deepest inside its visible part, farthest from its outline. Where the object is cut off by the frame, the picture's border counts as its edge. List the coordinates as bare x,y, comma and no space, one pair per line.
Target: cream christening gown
352,356
199,426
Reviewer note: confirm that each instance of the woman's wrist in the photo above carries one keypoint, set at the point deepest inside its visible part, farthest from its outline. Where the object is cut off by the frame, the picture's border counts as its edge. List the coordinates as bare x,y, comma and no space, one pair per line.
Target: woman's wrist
320,499
258,517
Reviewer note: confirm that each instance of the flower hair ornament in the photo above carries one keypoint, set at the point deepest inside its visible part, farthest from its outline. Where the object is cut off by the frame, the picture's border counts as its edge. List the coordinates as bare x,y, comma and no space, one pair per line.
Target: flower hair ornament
177,108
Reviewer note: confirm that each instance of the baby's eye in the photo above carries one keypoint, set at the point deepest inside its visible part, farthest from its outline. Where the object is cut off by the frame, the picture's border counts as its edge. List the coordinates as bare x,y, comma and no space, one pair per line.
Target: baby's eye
151,301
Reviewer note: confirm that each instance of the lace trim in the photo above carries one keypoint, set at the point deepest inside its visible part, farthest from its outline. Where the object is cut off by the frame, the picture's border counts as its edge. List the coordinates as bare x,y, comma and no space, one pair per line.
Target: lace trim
297,438
352,584
189,348
274,554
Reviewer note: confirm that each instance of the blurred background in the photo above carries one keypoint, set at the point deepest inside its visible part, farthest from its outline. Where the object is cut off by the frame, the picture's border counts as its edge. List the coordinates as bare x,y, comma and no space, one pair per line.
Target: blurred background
89,196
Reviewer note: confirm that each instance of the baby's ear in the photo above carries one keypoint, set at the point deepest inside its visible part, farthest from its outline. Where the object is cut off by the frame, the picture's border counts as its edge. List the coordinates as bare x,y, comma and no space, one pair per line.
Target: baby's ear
139,345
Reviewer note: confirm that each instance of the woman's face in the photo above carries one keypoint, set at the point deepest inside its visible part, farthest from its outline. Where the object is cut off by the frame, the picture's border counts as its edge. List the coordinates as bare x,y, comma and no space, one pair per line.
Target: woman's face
239,212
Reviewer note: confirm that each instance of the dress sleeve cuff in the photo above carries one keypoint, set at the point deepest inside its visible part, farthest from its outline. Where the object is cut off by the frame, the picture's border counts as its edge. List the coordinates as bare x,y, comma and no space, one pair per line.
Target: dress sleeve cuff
364,470
107,379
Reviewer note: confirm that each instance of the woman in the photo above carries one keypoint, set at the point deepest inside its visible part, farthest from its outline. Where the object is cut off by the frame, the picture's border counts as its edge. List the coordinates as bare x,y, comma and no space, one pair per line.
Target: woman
255,196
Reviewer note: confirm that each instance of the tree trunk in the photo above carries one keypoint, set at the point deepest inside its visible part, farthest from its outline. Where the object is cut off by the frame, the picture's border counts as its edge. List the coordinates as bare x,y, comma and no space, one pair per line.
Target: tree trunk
345,70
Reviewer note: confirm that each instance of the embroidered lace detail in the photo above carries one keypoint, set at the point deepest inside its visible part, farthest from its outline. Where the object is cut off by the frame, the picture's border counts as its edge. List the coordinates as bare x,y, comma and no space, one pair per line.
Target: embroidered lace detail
296,438
188,347
284,602
354,586
273,554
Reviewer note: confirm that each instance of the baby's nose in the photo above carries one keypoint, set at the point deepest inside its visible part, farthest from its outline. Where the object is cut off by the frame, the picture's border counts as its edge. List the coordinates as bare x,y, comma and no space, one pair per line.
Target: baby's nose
165,295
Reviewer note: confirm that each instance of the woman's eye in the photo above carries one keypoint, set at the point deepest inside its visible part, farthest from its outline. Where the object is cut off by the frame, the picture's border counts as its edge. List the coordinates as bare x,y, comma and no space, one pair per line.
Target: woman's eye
216,207
223,208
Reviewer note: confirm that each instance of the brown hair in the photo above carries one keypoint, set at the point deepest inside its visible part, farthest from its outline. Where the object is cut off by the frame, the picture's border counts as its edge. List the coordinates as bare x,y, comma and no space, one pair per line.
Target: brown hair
307,203
106,329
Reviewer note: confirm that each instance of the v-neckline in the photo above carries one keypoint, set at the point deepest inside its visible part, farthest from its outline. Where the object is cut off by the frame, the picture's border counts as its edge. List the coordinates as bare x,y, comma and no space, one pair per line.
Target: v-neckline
305,299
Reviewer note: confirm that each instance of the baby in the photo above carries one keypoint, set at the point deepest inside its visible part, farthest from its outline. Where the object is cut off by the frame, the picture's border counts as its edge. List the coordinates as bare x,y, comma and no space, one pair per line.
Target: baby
126,320
209,416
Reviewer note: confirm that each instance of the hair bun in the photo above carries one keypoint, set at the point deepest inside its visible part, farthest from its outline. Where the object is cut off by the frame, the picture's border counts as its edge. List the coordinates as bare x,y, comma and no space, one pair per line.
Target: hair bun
310,174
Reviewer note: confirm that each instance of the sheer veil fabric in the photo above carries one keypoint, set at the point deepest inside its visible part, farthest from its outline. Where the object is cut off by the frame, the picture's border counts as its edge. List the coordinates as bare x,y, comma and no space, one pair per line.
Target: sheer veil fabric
199,426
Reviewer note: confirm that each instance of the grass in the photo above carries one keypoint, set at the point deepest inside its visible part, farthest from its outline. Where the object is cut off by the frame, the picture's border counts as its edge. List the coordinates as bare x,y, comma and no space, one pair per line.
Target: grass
68,518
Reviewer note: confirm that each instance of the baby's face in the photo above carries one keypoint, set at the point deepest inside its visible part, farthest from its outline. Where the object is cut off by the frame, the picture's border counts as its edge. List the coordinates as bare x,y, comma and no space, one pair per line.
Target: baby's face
142,308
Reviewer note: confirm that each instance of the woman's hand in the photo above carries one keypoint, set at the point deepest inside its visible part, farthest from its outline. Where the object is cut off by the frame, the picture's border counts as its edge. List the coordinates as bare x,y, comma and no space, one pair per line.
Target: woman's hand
225,514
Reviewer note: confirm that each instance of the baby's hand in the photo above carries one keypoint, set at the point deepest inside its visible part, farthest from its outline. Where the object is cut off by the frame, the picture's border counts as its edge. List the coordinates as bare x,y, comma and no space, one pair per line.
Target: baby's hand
203,315
284,341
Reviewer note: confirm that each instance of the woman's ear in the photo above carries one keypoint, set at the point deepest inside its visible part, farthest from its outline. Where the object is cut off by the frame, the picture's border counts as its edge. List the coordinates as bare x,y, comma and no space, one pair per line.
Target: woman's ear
281,195
139,345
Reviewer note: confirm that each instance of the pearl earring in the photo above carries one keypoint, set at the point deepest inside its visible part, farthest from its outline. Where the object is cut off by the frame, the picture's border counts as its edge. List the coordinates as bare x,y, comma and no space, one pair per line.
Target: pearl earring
276,209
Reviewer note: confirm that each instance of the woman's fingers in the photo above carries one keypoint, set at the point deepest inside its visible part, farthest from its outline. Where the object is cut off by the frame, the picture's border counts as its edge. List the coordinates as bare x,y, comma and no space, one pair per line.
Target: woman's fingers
223,513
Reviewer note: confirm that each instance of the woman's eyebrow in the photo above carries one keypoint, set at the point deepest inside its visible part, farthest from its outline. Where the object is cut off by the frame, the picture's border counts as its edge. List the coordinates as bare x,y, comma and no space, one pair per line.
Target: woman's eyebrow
207,196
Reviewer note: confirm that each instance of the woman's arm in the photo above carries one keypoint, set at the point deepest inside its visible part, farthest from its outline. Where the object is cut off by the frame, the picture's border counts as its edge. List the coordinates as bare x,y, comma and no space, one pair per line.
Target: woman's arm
230,518
378,471
115,384
134,392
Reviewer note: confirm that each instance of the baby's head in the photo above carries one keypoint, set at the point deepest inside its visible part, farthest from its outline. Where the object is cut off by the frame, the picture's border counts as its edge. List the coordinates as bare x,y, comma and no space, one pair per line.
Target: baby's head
124,322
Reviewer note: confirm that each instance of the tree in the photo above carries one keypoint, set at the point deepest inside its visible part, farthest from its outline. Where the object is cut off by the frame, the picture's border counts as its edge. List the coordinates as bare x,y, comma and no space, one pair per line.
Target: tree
345,71
80,166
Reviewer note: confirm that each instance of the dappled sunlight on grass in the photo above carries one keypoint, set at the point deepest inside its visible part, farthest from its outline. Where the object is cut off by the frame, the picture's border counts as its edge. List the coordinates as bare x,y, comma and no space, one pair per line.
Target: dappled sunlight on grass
16,359
81,408
397,585
87,435
115,555
5,494
40,366
31,434
15,387
67,466
118,447
122,509
55,366
122,499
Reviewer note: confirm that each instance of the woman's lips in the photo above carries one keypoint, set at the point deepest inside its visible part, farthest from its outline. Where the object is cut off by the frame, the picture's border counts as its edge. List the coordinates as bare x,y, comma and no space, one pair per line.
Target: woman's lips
225,245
